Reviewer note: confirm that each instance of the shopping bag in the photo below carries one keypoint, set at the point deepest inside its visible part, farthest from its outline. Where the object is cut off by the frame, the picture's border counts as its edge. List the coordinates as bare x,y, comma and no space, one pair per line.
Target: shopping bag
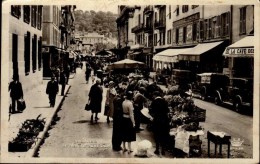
87,107
21,105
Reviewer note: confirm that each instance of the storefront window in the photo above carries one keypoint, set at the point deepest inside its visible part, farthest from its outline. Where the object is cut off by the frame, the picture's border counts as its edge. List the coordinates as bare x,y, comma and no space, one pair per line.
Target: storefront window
194,32
16,11
210,29
242,23
177,36
184,34
26,14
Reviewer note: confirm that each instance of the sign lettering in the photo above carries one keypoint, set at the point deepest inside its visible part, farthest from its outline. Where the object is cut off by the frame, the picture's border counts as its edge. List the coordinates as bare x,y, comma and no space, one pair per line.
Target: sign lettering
239,51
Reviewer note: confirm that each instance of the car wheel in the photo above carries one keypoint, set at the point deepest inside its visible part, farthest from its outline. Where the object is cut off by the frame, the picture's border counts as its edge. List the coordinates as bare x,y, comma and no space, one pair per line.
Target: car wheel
237,106
203,95
216,100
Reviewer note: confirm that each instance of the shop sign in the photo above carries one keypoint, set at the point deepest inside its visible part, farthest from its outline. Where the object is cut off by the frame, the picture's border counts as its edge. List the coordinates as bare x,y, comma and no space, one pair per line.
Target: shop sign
239,51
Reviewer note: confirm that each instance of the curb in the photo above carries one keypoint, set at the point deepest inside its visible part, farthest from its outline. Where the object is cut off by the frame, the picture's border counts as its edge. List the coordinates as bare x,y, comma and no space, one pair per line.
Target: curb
40,137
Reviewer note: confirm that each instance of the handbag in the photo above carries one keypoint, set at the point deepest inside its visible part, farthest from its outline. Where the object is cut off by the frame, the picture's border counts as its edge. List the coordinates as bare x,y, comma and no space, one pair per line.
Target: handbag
21,104
87,108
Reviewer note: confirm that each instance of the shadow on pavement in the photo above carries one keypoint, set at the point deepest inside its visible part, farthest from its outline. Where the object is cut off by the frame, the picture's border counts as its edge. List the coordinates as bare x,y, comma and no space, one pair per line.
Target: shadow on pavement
81,122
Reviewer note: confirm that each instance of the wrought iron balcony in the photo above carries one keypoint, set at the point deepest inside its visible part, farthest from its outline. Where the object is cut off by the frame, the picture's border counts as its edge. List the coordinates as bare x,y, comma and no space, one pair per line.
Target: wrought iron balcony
159,24
138,28
148,28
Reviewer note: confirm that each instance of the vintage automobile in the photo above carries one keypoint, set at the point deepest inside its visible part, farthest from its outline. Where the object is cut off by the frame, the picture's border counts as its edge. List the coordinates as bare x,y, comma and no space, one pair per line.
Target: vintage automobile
207,83
239,94
183,78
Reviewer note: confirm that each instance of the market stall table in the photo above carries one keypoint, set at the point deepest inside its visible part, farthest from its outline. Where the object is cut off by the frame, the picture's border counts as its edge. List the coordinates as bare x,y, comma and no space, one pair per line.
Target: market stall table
218,138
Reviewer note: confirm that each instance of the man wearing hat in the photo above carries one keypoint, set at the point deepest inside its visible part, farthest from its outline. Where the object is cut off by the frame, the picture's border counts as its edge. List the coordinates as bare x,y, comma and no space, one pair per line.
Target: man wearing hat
52,90
16,92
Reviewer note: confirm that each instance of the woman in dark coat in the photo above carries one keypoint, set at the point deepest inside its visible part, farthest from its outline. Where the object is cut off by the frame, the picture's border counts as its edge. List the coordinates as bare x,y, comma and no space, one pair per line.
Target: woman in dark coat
95,99
117,121
159,110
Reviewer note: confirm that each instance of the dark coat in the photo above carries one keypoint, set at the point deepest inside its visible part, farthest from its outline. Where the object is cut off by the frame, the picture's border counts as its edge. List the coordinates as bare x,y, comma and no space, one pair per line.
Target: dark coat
62,78
16,90
159,111
52,88
95,96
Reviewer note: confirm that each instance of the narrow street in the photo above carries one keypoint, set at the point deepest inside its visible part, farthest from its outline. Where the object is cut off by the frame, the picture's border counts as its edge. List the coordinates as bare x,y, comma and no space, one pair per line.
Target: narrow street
74,136
226,120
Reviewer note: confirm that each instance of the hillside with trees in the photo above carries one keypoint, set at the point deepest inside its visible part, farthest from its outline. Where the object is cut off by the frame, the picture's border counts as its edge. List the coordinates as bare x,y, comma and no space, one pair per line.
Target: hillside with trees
101,22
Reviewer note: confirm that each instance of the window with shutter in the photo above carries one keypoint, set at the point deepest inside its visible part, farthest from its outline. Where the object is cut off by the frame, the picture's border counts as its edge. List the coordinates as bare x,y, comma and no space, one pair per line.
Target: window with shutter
206,29
242,21
16,11
210,28
184,34
26,14
177,36
201,30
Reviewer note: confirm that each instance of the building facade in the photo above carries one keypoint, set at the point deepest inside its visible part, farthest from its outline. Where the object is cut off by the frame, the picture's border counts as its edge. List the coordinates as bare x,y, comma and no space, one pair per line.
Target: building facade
58,37
25,41
196,35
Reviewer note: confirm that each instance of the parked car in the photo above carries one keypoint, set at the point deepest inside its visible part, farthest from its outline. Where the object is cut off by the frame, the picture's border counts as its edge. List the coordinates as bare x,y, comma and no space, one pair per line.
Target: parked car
206,84
183,78
239,94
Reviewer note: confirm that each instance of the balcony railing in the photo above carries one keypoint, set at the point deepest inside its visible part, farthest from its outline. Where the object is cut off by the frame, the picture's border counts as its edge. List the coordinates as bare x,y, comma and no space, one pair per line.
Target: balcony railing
159,24
148,9
138,28
148,28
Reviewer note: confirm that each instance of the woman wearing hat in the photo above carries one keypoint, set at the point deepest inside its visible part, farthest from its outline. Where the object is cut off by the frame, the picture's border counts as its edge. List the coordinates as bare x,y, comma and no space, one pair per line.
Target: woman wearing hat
95,99
111,93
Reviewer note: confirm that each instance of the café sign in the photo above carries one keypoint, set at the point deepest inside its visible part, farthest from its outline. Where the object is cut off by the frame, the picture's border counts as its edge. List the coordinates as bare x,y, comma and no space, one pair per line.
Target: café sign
239,51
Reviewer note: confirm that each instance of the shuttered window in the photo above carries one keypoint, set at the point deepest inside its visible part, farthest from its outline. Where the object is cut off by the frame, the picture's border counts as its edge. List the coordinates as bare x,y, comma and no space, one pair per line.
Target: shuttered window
242,23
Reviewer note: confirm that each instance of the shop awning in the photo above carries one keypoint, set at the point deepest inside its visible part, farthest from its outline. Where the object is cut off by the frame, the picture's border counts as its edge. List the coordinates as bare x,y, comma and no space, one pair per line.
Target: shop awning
243,48
194,53
169,55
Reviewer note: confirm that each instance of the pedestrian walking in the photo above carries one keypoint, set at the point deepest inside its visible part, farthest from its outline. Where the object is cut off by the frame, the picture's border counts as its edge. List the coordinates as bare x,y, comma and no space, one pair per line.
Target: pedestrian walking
117,121
87,73
111,93
62,82
128,122
139,104
16,93
95,99
52,90
159,111
67,72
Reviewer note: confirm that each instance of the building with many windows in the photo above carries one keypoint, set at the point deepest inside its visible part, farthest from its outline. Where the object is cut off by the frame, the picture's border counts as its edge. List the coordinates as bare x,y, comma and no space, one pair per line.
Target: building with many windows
187,37
58,37
25,42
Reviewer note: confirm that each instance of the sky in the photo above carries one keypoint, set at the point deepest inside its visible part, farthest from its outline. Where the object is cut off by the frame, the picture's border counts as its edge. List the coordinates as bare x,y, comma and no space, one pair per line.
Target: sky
97,5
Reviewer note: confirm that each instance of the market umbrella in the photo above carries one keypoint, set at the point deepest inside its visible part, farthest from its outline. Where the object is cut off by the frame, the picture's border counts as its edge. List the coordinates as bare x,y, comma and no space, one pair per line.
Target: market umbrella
104,53
127,63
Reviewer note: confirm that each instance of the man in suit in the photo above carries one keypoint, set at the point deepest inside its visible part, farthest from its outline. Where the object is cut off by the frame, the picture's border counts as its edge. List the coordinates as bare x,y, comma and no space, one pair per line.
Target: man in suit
16,93
52,90
159,111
